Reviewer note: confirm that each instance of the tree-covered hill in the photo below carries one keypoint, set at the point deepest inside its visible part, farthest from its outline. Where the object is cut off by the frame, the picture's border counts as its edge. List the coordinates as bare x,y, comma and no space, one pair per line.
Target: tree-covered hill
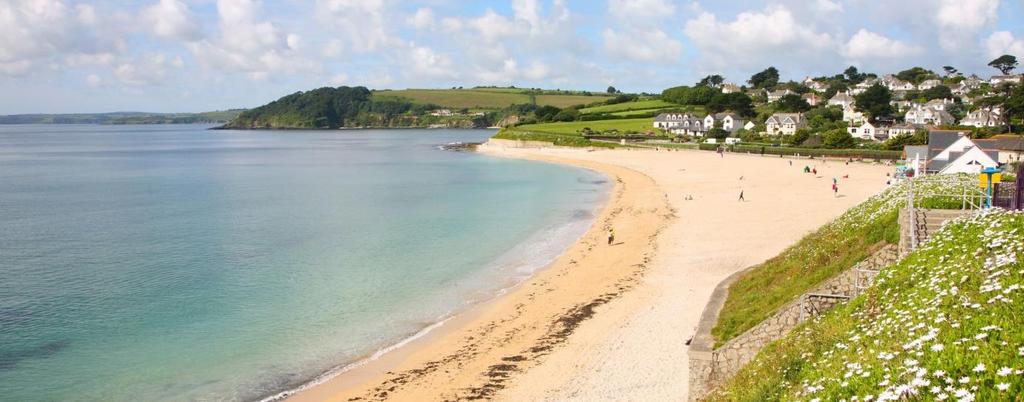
328,108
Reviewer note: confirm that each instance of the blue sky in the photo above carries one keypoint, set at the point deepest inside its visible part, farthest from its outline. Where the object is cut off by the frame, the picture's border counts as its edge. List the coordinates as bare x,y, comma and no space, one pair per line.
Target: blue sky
196,55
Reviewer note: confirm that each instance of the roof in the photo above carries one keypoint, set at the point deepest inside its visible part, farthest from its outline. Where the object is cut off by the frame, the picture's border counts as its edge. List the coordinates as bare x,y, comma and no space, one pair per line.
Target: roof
797,118
939,140
726,114
842,96
913,151
1009,142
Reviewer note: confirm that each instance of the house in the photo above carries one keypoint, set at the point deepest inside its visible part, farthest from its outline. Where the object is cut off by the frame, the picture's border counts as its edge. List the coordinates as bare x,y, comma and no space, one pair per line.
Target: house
901,104
852,116
681,124
955,152
749,126
785,123
896,84
939,104
841,99
727,121
1006,79
868,131
778,94
669,120
442,113
904,129
729,88
984,117
1010,147
926,115
863,86
928,84
815,85
811,98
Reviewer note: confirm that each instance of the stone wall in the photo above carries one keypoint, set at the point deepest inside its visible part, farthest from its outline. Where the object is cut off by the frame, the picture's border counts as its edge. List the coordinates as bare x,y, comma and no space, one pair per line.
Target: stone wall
710,366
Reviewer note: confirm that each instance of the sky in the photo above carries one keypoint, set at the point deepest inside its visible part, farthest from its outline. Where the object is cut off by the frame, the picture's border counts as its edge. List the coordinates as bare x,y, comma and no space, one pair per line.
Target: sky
64,56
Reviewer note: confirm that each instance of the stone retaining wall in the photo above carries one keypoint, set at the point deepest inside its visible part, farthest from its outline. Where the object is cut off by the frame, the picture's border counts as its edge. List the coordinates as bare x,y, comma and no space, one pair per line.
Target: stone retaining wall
711,366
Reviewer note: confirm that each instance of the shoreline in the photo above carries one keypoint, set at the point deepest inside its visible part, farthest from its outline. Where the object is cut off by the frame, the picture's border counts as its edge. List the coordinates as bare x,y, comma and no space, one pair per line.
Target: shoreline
601,322
384,356
418,358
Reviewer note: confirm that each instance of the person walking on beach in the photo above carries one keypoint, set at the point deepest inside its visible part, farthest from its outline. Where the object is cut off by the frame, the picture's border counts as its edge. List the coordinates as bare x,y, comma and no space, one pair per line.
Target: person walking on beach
741,196
611,236
835,189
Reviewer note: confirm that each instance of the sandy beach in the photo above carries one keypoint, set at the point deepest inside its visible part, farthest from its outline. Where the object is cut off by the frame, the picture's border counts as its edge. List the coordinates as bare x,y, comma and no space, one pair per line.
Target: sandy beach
610,322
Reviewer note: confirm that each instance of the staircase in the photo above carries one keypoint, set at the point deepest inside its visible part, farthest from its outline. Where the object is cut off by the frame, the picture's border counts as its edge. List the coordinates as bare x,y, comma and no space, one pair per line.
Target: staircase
926,222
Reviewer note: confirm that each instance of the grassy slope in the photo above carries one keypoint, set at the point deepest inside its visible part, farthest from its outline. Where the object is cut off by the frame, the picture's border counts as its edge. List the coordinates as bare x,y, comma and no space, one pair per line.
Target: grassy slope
566,133
943,323
628,106
833,248
485,98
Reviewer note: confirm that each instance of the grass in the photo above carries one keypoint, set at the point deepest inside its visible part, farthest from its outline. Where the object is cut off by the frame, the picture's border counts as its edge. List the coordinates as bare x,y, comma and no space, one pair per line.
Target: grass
573,127
629,106
943,323
834,247
485,98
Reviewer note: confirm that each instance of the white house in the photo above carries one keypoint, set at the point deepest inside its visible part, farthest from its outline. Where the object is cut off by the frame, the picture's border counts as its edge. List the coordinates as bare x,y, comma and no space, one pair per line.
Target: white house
442,113
925,115
727,121
984,117
811,98
729,88
1003,79
778,94
841,99
955,152
862,86
868,131
815,85
939,104
670,120
852,116
903,129
928,84
785,123
896,84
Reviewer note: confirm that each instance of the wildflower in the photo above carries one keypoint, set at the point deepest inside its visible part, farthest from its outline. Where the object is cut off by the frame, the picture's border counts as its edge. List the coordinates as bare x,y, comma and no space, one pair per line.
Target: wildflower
937,347
1005,371
1002,386
979,368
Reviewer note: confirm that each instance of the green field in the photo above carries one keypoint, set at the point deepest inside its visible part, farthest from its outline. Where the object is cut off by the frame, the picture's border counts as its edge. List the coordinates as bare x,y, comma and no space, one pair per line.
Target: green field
573,127
629,106
486,98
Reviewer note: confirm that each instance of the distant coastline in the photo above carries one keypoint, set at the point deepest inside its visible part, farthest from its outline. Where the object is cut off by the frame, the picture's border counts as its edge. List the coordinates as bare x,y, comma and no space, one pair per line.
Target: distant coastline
122,118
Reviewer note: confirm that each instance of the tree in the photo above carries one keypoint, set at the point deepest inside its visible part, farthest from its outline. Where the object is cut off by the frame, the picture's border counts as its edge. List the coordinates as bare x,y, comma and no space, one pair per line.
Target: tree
837,138
737,102
1004,63
950,70
765,79
676,94
834,88
711,81
920,137
1015,106
915,75
800,136
612,90
718,133
875,102
546,112
792,104
937,92
853,75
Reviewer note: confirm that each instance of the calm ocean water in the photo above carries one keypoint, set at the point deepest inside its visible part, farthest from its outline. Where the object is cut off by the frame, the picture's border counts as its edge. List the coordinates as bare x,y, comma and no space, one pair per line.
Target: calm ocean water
179,263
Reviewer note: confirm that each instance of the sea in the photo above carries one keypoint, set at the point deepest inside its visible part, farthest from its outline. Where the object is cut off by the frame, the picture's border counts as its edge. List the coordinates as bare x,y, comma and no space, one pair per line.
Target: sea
179,263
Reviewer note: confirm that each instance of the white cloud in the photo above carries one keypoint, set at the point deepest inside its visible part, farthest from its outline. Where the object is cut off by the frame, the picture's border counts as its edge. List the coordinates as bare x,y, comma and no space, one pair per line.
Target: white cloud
866,44
46,31
640,12
362,22
333,49
424,62
422,19
643,45
960,20
246,43
828,6
338,79
636,36
966,14
1003,42
757,39
93,81
172,19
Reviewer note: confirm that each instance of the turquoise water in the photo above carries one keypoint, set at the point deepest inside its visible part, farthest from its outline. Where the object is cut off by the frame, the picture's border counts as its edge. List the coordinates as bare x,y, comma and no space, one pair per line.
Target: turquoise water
179,263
